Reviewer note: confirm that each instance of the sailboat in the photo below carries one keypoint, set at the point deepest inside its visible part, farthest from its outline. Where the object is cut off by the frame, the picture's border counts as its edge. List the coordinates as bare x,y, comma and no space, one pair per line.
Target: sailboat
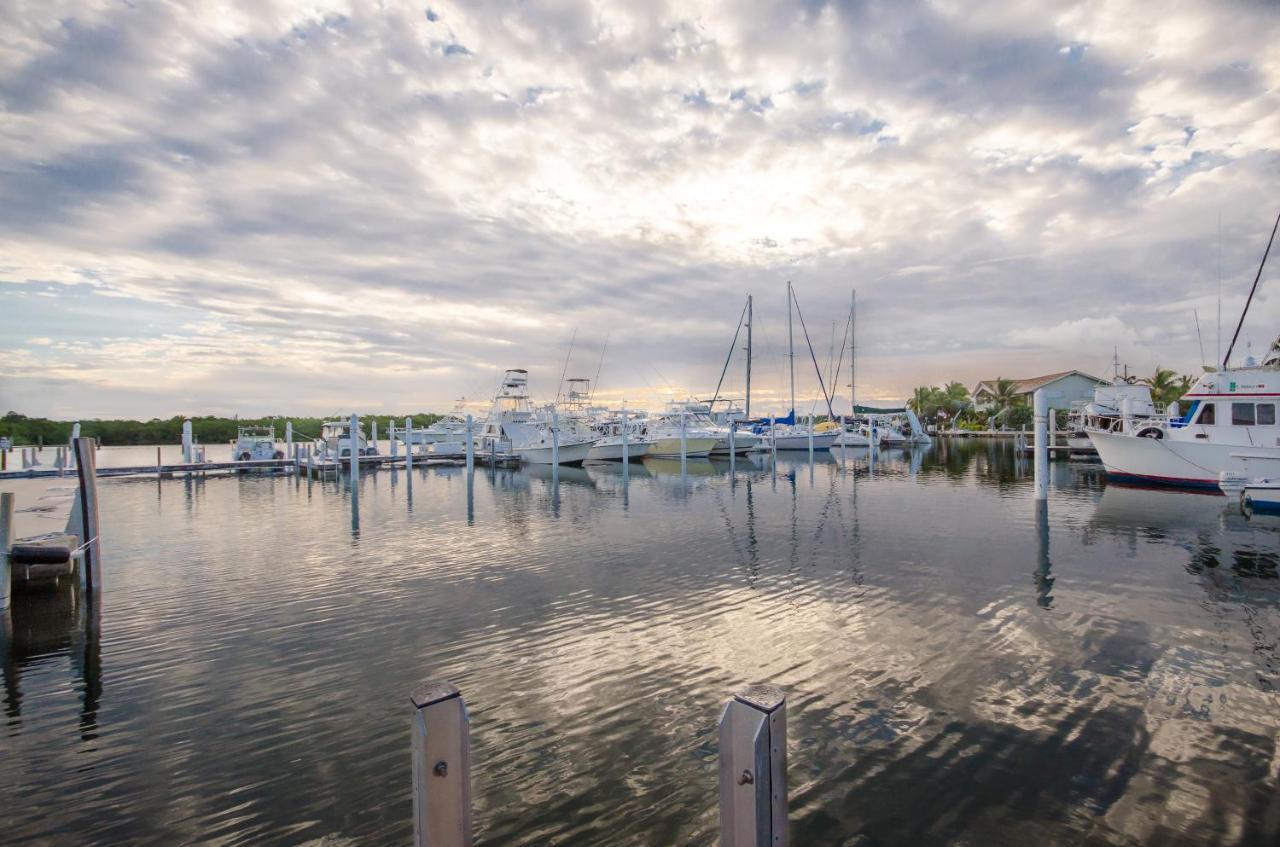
852,435
790,436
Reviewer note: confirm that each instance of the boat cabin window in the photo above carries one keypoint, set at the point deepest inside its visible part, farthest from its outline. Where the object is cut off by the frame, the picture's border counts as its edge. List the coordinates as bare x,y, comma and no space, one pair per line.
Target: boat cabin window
1242,414
1266,414
1206,414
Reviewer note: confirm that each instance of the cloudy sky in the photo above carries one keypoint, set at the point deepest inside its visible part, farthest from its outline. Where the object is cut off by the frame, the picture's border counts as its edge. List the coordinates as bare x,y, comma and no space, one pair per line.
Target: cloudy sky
316,206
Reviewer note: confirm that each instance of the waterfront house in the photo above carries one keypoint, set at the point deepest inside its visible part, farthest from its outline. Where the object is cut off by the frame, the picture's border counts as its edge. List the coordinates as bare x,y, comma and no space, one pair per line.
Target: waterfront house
1061,389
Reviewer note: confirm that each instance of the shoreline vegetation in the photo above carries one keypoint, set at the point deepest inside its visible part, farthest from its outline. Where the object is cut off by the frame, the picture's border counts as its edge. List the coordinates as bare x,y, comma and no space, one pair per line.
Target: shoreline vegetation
208,429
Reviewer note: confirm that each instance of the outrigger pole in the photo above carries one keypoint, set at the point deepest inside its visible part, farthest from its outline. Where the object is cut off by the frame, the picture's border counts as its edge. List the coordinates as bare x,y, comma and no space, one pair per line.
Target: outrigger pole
1252,291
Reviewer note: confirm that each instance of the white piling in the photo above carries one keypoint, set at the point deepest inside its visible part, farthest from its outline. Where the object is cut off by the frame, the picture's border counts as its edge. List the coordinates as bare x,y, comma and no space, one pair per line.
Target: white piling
684,447
1040,410
441,747
471,444
373,434
84,514
75,433
354,433
288,441
391,434
186,442
810,439
753,769
555,439
626,440
408,444
773,437
6,541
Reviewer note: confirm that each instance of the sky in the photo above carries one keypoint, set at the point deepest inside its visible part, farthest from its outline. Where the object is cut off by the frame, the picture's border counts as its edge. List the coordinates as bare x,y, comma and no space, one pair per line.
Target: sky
310,207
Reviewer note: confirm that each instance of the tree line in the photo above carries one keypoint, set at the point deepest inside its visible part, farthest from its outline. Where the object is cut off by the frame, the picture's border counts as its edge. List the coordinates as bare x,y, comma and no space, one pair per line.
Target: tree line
20,429
1011,410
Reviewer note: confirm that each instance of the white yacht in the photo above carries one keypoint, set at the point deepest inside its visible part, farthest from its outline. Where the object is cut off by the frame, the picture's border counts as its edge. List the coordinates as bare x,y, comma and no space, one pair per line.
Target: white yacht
335,442
256,443
665,431
514,426
1229,426
1116,408
698,415
608,444
796,437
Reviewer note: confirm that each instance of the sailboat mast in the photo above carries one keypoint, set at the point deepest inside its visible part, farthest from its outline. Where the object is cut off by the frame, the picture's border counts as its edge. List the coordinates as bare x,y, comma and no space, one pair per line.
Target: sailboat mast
749,322
853,352
791,351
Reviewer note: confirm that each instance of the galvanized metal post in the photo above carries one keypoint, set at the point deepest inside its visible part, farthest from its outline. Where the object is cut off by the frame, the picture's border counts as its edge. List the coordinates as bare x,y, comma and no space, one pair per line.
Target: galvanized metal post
811,438
471,446
626,441
1040,410
684,447
555,439
186,442
408,444
753,769
373,434
773,437
441,745
354,437
158,464
391,434
75,433
6,541
86,511
288,440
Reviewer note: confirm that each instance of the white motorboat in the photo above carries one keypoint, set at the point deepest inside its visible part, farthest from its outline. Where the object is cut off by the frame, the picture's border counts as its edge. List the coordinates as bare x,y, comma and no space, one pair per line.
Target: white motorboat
608,445
550,446
256,443
698,416
665,433
1230,425
335,442
513,426
1261,496
797,438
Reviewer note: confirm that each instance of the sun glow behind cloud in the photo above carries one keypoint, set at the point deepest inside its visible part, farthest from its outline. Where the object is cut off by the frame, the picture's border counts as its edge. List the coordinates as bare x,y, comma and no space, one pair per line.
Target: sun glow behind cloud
384,204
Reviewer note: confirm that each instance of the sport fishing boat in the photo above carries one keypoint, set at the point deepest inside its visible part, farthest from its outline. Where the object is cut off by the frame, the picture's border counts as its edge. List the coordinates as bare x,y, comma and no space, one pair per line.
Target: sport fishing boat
664,432
698,415
256,443
1229,427
608,444
1118,406
335,442
514,426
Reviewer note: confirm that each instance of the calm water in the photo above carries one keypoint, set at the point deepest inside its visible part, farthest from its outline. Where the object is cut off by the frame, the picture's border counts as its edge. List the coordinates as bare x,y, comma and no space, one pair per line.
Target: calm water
961,668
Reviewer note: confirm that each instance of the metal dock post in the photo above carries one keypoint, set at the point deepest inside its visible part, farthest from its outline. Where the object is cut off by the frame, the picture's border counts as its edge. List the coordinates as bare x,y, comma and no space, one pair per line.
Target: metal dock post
408,444
186,442
810,439
84,514
1040,409
555,440
441,744
6,540
288,441
391,434
354,433
471,446
684,450
753,769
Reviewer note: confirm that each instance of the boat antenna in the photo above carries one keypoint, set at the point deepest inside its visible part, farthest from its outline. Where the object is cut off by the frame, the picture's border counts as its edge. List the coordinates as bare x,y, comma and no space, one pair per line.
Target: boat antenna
565,369
817,370
1252,291
600,366
1199,337
728,358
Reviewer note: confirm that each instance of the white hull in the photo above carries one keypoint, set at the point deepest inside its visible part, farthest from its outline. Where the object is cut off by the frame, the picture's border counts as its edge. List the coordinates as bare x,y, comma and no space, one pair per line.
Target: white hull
852,439
743,442
1170,462
1262,497
669,448
569,454
821,441
612,452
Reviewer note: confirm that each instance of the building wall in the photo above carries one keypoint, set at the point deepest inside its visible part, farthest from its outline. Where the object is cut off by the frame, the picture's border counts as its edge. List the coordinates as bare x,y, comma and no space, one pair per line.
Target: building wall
1063,392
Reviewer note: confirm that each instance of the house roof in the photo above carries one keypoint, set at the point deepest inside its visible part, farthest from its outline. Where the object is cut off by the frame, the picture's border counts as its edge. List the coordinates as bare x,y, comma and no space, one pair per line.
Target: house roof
1026,386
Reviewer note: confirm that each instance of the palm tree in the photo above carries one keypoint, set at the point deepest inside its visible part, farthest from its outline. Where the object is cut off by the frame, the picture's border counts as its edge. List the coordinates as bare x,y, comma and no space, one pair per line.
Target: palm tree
955,397
925,400
1162,385
1183,386
1004,393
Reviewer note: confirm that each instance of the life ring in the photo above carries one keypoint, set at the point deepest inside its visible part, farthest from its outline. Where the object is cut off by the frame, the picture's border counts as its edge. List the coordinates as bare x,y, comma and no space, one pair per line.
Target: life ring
1151,432
279,454
244,457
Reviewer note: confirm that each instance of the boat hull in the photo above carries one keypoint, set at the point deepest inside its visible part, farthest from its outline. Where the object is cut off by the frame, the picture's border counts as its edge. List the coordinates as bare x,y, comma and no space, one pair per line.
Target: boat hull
669,448
613,452
743,442
821,441
852,439
1163,461
1262,498
569,454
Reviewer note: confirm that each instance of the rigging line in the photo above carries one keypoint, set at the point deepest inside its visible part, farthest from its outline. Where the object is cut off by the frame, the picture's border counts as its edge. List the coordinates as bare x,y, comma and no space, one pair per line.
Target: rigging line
816,370
591,398
835,381
565,369
1252,291
729,358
